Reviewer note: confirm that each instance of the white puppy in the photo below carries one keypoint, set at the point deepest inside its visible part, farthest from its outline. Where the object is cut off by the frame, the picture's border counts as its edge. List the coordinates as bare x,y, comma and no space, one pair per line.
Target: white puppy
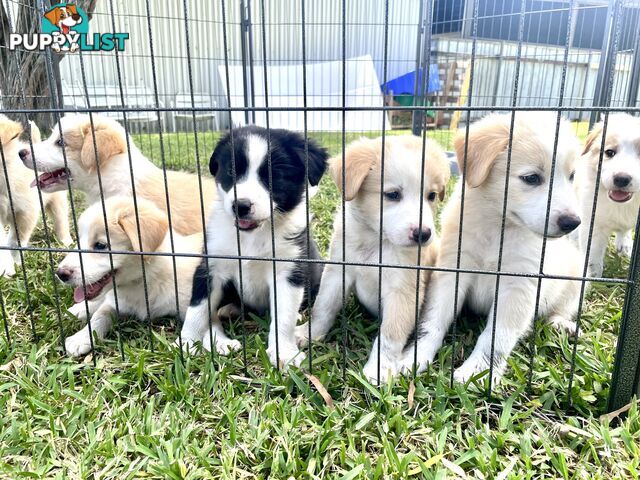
529,177
617,204
15,180
72,156
407,190
99,275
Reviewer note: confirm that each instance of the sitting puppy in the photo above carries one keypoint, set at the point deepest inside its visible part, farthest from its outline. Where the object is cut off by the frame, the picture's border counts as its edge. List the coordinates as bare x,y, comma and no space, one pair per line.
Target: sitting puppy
246,209
86,149
529,174
407,191
99,276
617,205
14,181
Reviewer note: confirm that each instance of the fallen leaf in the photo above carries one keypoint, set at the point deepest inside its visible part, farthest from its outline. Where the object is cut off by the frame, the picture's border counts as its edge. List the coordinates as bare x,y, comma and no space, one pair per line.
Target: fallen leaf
320,388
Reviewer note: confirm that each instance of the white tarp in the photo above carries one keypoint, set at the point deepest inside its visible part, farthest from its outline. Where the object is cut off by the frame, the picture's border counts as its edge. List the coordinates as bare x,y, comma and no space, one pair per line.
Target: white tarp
324,89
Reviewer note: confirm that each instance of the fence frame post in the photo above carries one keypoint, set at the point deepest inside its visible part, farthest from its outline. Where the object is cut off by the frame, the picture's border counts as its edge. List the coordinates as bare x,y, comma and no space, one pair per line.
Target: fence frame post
626,370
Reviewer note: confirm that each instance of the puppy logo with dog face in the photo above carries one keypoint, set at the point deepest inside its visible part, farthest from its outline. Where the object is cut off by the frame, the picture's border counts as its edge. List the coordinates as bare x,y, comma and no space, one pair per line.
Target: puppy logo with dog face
65,29
66,18
65,22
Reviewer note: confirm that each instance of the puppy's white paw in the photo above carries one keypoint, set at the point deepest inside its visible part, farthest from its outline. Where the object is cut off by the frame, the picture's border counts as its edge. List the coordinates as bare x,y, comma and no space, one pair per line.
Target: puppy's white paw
79,343
224,346
8,269
286,355
624,245
596,269
302,335
189,345
475,366
78,310
562,323
66,241
388,370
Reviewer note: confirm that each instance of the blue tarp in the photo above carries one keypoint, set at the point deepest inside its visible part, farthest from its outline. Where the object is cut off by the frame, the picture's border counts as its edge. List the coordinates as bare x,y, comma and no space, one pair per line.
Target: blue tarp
405,84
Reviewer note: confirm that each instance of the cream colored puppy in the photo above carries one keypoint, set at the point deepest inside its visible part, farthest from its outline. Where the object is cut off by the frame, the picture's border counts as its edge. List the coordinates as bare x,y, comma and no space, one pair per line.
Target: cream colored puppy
618,198
15,180
112,157
529,177
127,269
407,191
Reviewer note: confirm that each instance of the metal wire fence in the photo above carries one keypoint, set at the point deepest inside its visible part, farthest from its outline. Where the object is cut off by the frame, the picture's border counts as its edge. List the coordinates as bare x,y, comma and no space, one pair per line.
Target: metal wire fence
333,71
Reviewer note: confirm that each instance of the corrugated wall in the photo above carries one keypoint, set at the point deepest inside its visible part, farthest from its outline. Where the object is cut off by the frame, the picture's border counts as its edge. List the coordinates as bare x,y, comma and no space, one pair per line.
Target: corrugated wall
540,72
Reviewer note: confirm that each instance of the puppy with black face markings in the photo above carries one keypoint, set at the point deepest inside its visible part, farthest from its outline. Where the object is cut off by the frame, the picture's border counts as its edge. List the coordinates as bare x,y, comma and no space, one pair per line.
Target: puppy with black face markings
248,164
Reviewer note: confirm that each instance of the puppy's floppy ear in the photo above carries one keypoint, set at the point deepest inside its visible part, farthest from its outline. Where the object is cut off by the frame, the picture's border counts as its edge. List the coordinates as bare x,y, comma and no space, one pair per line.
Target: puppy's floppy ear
153,225
36,137
317,161
53,16
488,138
360,158
307,148
594,135
109,141
214,160
9,130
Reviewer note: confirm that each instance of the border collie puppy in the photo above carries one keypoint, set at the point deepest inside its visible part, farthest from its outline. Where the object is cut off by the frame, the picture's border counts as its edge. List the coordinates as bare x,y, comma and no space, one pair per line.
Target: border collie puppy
241,165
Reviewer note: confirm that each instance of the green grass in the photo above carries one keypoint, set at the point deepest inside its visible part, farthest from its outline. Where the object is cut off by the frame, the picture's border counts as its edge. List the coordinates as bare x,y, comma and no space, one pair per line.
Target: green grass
149,415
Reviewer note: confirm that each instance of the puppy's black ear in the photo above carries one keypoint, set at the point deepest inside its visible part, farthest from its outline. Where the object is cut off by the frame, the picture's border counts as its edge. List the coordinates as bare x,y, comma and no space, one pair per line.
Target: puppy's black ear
317,156
214,161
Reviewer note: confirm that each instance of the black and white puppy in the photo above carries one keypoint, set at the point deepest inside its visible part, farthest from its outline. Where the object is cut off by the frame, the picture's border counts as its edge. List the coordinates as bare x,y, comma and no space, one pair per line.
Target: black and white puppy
245,205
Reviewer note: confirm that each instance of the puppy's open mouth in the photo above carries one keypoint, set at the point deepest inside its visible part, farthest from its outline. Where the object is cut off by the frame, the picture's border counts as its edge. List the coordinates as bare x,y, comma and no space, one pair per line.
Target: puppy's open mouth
620,196
49,179
91,290
246,224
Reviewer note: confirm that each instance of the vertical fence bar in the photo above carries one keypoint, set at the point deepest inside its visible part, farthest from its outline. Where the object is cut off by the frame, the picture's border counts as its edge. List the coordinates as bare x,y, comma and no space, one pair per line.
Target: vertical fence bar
607,54
634,81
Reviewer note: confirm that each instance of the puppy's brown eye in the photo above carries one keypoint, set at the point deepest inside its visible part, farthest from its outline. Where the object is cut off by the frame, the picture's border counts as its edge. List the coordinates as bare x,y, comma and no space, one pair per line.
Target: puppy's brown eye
610,153
572,176
393,195
532,179
99,246
432,196
60,142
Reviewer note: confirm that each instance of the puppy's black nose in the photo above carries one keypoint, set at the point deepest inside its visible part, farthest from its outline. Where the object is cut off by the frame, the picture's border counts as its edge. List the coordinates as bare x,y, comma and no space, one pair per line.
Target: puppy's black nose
421,236
621,180
242,207
568,223
64,274
24,153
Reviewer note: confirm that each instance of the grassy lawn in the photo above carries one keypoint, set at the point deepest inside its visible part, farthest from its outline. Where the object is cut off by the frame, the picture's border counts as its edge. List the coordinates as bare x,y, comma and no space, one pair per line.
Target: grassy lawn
147,414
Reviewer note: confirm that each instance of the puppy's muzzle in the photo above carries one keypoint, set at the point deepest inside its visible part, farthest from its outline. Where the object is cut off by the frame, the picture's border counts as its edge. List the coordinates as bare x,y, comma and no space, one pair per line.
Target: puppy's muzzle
568,223
421,236
64,274
621,180
25,155
242,207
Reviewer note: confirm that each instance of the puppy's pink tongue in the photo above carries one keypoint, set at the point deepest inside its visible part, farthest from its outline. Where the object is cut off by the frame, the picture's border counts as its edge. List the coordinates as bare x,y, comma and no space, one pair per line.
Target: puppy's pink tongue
619,195
78,294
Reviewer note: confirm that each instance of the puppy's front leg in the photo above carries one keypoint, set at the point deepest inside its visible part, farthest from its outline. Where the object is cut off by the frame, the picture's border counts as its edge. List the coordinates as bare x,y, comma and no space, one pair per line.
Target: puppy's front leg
624,243
200,324
397,323
436,319
7,265
290,293
599,242
79,310
516,298
79,343
327,305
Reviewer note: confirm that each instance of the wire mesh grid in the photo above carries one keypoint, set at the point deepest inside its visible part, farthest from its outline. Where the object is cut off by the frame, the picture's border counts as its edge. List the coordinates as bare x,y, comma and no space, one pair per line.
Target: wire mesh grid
325,69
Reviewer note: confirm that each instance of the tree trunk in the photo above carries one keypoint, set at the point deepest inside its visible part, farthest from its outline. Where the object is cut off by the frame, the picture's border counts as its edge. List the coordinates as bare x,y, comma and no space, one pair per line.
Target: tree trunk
26,78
